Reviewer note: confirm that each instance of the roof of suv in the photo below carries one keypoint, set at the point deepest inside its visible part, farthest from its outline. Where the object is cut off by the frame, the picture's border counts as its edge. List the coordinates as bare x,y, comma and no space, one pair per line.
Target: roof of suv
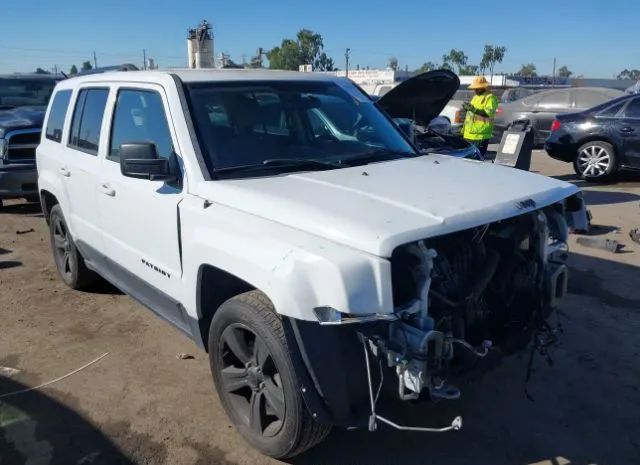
202,75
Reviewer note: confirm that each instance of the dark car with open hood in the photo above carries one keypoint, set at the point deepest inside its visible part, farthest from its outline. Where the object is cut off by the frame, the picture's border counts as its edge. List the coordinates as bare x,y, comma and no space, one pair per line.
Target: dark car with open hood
23,102
415,105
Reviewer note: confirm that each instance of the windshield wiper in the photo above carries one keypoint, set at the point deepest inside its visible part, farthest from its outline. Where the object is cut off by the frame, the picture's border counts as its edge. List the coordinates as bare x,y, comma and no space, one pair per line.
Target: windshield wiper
282,163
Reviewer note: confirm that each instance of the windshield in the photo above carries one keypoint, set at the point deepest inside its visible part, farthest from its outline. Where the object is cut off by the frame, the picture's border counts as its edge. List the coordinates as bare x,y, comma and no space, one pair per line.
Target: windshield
15,92
243,124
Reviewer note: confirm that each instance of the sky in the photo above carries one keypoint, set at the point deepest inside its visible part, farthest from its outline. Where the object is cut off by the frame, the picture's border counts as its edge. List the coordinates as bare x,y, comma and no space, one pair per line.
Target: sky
592,38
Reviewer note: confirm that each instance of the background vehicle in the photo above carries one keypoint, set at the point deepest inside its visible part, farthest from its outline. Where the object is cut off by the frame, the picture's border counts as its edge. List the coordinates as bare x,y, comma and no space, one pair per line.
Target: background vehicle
415,105
516,93
287,226
540,109
23,101
599,141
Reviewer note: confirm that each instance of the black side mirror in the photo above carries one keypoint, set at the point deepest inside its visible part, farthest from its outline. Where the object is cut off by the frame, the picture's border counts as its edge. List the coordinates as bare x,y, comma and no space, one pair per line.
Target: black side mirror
140,160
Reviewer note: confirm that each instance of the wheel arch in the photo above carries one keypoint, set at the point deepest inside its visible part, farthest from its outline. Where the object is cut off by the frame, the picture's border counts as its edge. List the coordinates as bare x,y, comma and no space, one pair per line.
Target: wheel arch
47,202
214,287
597,138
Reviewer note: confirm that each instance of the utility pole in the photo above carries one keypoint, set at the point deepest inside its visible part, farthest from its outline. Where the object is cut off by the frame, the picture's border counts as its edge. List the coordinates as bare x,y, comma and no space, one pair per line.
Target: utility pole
554,72
144,58
95,61
346,59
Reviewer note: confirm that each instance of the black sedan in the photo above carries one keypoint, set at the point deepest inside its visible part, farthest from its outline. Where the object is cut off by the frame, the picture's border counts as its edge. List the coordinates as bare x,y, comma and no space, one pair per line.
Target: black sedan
599,141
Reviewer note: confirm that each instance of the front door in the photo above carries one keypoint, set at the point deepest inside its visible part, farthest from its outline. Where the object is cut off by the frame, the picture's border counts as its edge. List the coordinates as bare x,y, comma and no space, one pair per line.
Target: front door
140,219
628,128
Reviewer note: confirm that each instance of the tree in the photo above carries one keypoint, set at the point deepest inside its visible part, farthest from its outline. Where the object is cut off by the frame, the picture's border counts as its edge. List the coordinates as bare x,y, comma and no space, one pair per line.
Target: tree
528,70
86,66
492,55
564,72
73,70
393,63
428,66
42,71
306,49
633,74
469,70
455,58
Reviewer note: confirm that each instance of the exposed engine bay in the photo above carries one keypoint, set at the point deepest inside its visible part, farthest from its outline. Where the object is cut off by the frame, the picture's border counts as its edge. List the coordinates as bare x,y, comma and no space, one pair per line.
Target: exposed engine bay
462,296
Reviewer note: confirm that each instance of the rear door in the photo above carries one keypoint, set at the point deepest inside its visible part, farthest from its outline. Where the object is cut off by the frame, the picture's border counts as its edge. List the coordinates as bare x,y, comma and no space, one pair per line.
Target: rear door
140,218
627,127
80,167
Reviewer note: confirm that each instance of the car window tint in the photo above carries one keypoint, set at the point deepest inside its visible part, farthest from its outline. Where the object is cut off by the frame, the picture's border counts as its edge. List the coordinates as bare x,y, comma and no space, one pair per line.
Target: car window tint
139,117
87,119
552,100
633,109
612,110
57,115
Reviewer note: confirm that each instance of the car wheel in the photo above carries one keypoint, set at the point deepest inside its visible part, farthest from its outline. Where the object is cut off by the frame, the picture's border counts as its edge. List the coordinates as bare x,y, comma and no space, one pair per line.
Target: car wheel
595,161
256,380
69,262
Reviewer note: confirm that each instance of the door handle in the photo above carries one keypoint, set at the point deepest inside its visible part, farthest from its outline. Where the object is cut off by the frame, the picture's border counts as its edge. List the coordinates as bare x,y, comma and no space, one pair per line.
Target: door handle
108,190
65,172
627,129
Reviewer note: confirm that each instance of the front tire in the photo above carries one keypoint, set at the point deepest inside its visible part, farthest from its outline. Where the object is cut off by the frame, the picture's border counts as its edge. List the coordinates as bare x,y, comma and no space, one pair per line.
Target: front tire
68,260
595,161
256,380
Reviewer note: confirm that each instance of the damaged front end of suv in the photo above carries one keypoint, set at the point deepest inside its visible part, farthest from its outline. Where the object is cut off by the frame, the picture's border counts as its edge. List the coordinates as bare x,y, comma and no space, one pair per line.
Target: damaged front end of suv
462,302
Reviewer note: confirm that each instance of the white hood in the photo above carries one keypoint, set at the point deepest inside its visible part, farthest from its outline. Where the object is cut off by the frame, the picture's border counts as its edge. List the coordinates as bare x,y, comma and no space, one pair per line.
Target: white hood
374,208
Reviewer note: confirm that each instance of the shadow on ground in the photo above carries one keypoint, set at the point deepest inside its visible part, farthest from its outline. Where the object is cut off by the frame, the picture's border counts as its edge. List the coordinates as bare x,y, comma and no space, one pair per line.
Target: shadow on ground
35,428
585,405
27,209
9,264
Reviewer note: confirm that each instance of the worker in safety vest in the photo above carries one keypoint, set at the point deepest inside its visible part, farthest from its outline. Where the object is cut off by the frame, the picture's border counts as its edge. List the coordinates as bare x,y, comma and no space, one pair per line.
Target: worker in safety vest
478,124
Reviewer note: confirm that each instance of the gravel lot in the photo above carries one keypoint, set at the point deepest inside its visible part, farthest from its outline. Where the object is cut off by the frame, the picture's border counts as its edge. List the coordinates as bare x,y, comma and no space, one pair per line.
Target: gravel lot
141,404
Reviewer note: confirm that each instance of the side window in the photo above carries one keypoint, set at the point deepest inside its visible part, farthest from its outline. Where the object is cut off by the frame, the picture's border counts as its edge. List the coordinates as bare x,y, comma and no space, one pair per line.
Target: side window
139,117
57,114
87,119
553,100
588,99
633,109
612,110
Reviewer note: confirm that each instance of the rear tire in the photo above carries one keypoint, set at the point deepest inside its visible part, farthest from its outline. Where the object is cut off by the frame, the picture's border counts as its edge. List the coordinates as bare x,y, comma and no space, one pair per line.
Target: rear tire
67,258
595,161
255,378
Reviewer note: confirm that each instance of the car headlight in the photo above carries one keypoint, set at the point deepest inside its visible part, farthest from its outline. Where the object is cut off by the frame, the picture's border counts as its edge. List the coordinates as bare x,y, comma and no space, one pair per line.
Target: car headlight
3,148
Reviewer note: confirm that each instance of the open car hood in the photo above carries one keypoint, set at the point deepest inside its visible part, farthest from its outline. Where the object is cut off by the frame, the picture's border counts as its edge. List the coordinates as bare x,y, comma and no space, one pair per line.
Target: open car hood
422,97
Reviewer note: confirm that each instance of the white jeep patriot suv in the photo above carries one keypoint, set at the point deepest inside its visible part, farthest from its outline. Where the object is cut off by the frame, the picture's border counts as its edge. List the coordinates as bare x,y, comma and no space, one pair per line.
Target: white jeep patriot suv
284,223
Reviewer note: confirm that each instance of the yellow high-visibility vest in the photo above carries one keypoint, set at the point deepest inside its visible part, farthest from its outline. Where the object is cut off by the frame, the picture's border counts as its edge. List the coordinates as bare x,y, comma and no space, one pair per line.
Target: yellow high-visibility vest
478,127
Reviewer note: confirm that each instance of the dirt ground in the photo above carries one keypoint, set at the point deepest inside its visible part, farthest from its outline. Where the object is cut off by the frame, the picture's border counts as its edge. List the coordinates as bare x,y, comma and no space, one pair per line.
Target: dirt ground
142,405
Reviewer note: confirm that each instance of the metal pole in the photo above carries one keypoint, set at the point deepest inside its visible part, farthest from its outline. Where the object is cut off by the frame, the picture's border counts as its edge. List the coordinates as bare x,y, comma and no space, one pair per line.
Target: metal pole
144,58
554,72
95,61
346,58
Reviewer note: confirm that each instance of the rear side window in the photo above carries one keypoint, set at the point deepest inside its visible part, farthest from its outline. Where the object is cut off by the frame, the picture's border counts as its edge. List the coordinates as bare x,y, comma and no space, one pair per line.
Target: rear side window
139,117
57,115
633,109
612,110
87,119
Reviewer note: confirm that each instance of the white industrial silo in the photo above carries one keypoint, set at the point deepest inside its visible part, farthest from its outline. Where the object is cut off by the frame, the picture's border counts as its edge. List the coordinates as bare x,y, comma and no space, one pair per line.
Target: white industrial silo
200,46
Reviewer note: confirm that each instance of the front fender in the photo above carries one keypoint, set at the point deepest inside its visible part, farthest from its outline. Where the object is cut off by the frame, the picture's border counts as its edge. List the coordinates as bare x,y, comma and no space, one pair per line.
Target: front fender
296,270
